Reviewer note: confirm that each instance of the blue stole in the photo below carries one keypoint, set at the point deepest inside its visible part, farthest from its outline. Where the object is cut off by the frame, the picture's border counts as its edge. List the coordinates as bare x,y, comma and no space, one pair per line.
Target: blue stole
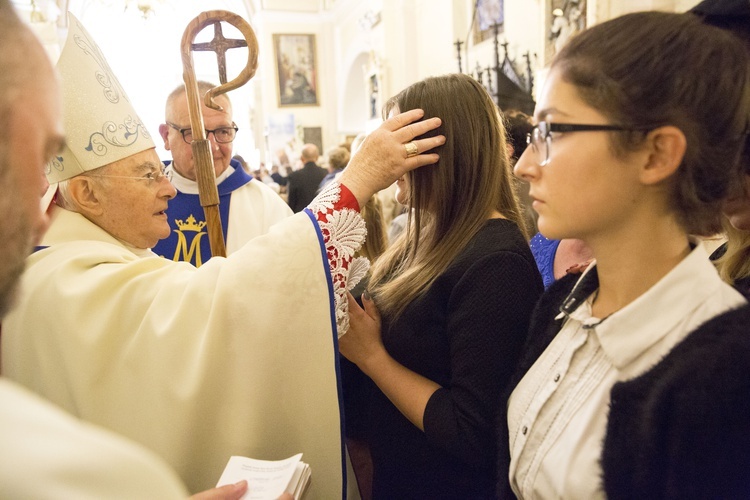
188,240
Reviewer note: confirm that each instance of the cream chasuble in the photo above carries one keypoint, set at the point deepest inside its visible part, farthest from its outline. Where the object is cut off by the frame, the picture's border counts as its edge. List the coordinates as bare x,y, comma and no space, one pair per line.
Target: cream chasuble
237,357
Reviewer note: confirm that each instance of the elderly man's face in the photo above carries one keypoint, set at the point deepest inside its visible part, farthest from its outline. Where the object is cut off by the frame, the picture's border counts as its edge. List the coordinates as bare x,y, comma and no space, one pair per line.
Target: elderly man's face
34,135
133,196
178,116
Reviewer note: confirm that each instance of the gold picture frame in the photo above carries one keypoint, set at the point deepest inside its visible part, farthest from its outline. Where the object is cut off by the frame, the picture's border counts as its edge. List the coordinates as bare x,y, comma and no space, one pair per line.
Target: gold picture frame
296,69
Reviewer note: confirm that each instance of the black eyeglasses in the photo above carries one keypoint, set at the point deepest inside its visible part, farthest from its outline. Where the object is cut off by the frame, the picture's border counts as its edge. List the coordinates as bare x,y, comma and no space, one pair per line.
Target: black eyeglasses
222,135
540,137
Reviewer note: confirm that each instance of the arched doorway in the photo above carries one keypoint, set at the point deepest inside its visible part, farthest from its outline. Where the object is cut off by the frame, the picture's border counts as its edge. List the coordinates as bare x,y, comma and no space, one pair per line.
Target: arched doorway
354,111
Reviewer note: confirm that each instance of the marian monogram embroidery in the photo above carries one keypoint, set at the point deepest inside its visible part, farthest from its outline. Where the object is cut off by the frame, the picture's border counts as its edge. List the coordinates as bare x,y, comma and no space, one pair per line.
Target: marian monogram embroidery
185,251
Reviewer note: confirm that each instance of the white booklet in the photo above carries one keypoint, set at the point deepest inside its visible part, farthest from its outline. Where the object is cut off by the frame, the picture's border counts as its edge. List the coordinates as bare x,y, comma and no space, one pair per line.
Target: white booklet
268,479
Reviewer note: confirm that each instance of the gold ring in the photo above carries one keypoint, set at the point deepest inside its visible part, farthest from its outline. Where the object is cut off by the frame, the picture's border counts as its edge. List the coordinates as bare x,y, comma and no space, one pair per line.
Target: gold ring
411,149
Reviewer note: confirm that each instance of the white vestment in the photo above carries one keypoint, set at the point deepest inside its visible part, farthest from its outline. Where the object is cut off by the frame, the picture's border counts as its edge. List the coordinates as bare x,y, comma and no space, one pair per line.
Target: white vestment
237,357
47,454
245,206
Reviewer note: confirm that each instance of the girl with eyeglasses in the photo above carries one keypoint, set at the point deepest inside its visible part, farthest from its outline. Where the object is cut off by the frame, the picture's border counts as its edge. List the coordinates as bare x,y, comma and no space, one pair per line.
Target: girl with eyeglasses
635,382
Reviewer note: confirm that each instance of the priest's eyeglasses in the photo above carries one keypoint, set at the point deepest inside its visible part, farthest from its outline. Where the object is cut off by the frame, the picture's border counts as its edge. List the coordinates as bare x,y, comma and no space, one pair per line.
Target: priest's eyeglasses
222,135
540,137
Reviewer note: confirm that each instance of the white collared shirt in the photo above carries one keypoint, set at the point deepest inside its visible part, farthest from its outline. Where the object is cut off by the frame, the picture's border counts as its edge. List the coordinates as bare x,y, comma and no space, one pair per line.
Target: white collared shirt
557,415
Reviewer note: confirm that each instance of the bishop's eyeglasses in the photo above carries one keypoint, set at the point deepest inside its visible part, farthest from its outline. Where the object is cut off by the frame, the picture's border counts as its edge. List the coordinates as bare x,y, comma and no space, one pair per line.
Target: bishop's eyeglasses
540,137
152,177
222,135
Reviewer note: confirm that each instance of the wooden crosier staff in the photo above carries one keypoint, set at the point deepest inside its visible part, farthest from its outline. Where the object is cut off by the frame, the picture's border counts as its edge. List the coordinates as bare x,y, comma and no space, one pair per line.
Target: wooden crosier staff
202,157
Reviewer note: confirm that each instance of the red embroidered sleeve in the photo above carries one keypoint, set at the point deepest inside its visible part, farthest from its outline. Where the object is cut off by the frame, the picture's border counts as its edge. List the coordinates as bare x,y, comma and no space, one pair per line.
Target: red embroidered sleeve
343,230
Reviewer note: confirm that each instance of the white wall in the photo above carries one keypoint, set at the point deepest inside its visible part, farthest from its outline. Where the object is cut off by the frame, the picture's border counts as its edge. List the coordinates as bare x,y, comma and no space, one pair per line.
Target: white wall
414,39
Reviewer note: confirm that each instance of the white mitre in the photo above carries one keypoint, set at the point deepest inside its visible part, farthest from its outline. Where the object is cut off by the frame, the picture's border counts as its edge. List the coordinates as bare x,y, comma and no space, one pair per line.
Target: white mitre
100,123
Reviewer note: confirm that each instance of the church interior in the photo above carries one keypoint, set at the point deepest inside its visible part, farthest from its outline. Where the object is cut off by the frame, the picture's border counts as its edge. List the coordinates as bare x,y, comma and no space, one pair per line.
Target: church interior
354,55
375,259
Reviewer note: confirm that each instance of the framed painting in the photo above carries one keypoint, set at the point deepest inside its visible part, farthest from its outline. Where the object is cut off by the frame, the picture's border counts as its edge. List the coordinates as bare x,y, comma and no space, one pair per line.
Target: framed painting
487,13
296,70
565,18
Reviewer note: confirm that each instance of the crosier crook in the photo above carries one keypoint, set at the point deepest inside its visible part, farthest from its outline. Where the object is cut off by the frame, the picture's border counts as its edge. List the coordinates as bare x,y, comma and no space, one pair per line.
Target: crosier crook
204,162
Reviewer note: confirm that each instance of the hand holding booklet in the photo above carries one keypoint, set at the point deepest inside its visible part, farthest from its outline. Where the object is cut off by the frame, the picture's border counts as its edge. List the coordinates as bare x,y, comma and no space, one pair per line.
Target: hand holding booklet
268,479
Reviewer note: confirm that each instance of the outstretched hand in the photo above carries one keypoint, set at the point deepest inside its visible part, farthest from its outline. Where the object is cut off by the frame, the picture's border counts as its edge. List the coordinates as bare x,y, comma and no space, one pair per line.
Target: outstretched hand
382,157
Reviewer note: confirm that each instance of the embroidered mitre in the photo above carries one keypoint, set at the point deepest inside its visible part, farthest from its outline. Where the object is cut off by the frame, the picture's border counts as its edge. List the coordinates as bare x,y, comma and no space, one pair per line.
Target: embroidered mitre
100,123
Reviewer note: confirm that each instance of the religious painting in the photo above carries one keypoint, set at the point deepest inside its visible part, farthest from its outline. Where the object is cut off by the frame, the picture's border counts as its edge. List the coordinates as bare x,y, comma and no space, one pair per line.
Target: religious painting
487,13
296,70
564,19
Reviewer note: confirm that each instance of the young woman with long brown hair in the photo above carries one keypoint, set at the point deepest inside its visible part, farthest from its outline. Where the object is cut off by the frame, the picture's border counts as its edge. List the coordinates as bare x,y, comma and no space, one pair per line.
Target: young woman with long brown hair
449,308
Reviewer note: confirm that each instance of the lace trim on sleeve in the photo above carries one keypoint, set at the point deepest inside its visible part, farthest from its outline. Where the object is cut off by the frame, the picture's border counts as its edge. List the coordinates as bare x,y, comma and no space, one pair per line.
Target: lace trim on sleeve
344,232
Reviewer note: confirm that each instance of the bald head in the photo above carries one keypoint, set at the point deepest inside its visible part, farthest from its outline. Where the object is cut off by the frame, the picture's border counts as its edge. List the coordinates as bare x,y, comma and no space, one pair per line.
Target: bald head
310,153
22,58
179,95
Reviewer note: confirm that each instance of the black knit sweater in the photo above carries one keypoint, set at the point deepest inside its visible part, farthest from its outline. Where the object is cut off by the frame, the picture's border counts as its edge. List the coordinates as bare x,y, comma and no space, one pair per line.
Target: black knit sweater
465,333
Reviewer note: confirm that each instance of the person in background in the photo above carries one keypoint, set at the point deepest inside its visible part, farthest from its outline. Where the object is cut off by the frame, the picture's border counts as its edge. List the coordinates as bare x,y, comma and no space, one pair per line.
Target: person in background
733,257
397,226
239,159
518,126
558,258
634,381
192,363
303,183
248,207
278,178
448,306
338,158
